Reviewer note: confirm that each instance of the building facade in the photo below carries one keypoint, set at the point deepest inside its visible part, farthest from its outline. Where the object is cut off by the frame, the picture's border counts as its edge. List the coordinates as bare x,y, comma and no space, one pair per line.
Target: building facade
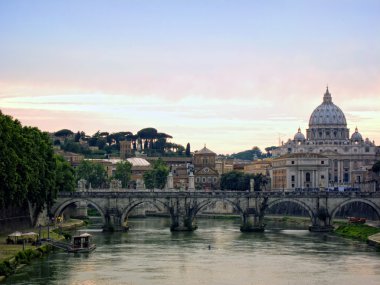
206,175
299,171
328,135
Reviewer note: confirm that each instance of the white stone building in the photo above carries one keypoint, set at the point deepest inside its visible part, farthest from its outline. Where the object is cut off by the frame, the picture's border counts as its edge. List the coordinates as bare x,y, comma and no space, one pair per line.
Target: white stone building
328,136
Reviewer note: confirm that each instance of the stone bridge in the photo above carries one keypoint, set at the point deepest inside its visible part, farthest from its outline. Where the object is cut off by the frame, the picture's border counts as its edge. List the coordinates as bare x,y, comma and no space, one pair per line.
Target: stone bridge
183,206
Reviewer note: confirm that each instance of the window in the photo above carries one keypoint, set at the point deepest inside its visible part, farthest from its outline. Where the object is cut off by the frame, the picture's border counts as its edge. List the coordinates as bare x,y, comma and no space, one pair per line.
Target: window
322,162
198,179
366,149
307,177
322,177
203,179
292,185
293,178
292,161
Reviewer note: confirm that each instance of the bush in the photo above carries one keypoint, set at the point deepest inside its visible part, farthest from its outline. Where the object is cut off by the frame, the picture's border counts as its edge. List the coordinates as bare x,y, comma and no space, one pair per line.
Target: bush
6,268
21,257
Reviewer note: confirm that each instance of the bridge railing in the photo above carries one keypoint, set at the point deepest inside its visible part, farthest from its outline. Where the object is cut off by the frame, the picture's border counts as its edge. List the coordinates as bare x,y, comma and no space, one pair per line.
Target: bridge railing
212,194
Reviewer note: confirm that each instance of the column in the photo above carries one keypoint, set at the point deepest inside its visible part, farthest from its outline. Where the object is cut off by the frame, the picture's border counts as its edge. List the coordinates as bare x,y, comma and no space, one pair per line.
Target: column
299,174
339,172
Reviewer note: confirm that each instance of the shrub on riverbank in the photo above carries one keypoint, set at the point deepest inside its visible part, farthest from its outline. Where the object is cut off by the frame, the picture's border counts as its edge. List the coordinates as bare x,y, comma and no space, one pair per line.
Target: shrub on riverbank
7,267
356,231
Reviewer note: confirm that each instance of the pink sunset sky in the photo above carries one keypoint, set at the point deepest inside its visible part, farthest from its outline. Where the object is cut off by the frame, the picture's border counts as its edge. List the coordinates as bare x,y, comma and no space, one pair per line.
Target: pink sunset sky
229,74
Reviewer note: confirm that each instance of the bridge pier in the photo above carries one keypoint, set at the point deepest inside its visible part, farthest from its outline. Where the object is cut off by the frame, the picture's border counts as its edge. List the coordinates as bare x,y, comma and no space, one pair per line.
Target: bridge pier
321,221
252,221
253,218
182,216
114,222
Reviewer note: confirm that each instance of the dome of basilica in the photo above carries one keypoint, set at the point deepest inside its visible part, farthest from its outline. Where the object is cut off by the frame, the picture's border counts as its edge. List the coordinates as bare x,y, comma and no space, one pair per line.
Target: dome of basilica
299,136
327,113
356,136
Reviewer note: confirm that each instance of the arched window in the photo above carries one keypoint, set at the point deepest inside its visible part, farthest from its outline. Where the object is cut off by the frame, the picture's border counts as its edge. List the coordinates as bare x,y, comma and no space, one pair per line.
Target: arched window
307,177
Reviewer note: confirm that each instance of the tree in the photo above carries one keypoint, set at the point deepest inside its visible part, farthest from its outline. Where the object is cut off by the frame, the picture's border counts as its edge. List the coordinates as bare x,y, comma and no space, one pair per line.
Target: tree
29,171
65,178
260,181
187,152
235,180
63,133
123,172
248,154
77,137
149,179
156,177
147,133
270,149
94,173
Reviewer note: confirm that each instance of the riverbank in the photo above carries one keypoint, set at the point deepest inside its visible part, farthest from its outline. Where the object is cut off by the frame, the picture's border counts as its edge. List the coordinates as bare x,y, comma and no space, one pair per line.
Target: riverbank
15,256
361,232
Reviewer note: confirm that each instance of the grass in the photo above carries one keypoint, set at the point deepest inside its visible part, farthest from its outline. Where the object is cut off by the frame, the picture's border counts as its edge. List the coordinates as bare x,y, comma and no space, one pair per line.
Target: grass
12,256
356,231
8,251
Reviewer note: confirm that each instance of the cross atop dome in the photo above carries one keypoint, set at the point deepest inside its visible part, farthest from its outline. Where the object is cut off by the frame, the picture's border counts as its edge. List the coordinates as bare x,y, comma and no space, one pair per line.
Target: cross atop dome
327,97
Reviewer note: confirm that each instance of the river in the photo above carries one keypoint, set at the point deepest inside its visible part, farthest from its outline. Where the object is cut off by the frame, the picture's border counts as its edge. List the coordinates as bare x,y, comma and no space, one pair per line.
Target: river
150,254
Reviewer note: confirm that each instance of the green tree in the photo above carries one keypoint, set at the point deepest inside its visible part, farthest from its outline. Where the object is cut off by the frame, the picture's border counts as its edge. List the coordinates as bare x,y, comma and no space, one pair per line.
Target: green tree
77,137
187,152
94,173
65,178
149,179
63,133
29,171
248,154
123,172
157,176
234,180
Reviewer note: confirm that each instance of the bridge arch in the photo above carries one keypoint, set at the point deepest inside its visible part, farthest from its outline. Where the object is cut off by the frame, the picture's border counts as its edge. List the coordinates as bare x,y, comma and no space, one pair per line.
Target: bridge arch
312,215
59,210
208,202
352,200
159,205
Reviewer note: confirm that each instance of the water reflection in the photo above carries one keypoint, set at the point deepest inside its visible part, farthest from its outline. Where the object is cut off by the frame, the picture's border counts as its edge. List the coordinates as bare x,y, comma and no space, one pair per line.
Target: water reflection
149,253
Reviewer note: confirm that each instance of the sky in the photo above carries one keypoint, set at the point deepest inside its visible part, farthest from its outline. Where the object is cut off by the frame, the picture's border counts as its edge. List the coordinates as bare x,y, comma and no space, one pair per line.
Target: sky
228,74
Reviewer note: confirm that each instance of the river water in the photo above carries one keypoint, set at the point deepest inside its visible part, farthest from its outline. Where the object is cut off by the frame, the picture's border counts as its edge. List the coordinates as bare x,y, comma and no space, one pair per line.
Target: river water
150,254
